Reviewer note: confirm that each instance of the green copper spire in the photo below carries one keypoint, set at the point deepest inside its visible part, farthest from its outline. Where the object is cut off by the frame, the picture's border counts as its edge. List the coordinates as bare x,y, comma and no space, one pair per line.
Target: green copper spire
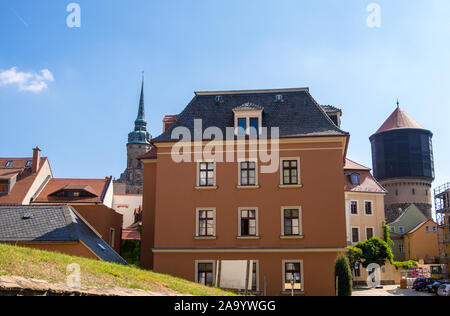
140,134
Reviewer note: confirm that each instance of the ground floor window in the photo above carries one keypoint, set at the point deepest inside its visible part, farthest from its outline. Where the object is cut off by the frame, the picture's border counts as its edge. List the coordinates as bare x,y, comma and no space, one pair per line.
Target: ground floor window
255,276
355,235
292,275
205,273
369,233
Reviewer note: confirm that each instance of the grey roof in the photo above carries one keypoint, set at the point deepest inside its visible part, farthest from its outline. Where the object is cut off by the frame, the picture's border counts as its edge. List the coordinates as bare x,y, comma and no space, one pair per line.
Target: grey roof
297,115
330,109
52,224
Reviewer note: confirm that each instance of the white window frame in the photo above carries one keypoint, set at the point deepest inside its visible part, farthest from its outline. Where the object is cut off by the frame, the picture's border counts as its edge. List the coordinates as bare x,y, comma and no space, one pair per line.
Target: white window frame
198,173
300,218
239,222
373,232
302,275
282,159
372,208
256,173
247,115
197,222
197,262
359,234
357,208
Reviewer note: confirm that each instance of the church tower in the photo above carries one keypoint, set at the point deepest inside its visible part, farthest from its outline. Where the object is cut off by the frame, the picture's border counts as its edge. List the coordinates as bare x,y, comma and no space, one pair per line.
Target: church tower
131,180
402,156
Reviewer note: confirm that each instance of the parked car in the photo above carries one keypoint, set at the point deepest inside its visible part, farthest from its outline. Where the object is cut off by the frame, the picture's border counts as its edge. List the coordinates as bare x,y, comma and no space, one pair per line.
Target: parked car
433,288
421,283
444,290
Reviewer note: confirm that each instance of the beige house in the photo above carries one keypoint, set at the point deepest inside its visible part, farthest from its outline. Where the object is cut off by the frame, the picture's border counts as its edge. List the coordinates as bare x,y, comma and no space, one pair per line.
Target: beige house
364,198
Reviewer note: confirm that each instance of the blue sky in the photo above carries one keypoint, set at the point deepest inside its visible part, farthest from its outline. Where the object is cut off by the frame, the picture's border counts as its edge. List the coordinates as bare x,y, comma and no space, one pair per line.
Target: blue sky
81,120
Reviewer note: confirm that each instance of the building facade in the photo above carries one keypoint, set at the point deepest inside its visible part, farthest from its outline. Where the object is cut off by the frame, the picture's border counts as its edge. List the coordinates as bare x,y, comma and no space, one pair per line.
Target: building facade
364,200
200,212
402,155
131,180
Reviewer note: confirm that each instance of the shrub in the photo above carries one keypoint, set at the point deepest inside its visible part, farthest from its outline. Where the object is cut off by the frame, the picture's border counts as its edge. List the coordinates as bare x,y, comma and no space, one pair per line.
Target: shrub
343,275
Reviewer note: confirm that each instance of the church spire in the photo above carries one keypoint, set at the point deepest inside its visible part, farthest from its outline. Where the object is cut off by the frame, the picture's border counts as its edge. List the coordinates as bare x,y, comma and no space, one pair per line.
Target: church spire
140,134
141,111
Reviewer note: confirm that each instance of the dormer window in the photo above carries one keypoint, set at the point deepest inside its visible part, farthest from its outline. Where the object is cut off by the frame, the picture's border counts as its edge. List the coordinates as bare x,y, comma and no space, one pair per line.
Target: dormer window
355,179
219,98
279,98
74,191
9,164
29,163
248,119
4,187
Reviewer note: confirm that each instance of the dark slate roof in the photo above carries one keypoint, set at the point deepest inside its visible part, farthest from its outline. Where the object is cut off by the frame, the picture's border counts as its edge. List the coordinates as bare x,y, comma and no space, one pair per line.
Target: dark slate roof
330,109
52,224
297,115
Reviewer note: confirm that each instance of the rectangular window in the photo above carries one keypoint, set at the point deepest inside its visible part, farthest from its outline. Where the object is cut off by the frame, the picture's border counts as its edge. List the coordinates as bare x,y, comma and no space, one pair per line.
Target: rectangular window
254,126
354,207
292,277
401,229
290,172
255,276
401,249
368,207
248,223
205,273
9,164
248,173
206,223
4,187
369,233
434,229
355,235
206,174
291,222
242,126
427,229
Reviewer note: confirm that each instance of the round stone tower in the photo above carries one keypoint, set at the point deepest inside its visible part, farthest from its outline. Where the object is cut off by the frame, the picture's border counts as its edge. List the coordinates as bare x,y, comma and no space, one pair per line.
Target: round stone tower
402,156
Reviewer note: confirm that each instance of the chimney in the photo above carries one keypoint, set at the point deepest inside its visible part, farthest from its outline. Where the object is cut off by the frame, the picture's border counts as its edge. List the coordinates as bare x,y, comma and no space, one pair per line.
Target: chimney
168,121
36,160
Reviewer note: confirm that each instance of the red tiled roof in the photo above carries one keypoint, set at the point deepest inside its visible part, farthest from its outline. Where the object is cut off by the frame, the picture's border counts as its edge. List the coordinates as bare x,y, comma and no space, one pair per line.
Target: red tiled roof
351,165
93,186
6,174
399,119
22,186
130,234
367,181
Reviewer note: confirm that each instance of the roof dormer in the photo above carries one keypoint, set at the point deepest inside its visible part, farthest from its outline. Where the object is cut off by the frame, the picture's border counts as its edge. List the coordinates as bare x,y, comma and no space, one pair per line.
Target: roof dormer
248,119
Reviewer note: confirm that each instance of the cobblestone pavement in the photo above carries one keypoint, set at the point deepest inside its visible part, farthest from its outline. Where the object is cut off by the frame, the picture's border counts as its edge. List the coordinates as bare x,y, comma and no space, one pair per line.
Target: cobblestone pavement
389,290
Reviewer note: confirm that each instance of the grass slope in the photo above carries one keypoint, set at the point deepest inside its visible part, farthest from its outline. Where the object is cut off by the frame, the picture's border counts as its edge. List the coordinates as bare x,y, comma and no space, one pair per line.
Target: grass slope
51,266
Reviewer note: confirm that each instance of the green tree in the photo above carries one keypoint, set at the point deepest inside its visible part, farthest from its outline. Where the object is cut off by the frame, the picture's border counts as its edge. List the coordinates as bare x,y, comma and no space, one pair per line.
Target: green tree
376,251
343,276
354,257
387,235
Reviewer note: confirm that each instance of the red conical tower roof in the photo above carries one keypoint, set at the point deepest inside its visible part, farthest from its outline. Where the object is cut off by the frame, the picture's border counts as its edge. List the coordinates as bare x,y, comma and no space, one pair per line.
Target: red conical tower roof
399,119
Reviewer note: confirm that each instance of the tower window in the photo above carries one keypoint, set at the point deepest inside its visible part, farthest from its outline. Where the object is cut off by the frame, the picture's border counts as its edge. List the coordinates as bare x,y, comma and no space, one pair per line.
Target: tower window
414,191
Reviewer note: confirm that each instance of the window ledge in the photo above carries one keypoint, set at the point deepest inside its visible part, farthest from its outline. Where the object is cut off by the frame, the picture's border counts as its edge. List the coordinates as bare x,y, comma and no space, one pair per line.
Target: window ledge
215,187
290,186
295,293
248,237
292,237
205,238
248,186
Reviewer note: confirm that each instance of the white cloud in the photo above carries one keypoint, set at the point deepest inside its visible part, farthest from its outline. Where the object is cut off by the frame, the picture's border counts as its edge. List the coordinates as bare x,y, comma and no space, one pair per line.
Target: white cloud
26,81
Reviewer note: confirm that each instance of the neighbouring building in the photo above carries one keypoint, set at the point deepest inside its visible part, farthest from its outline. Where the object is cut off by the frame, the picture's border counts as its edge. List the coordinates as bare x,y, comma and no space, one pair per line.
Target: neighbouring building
129,205
22,178
364,198
54,228
402,155
76,192
442,202
414,236
131,179
290,221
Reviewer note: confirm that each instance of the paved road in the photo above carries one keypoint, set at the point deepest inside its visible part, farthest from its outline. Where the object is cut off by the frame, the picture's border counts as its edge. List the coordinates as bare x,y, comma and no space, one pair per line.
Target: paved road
389,290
